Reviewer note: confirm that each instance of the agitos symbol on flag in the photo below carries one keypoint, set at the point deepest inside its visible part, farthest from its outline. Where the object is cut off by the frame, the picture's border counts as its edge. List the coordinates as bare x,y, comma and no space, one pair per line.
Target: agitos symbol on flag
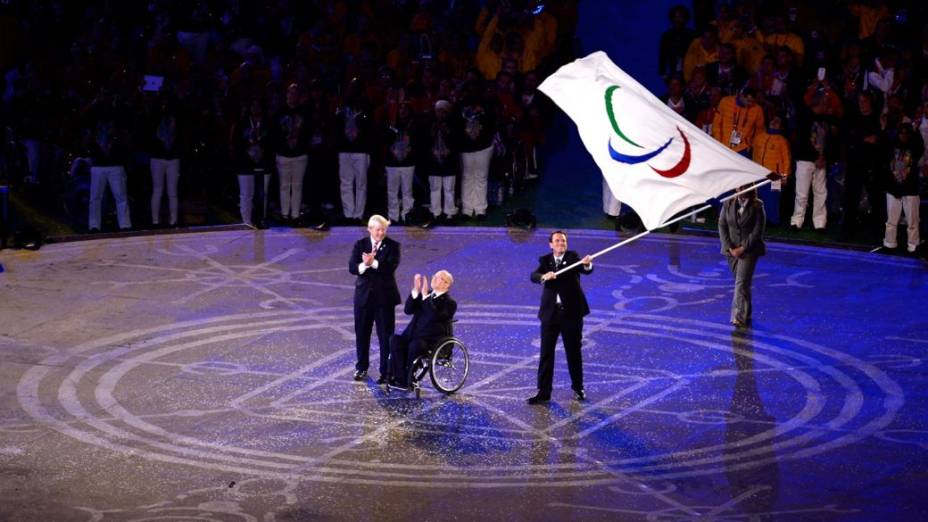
652,158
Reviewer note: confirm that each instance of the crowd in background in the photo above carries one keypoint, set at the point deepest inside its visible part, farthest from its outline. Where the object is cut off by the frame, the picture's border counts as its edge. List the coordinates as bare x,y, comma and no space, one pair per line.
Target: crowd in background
833,96
424,110
325,111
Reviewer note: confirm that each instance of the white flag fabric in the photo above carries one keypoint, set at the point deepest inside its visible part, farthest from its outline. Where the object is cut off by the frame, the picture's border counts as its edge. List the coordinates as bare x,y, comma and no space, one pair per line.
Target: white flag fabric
652,158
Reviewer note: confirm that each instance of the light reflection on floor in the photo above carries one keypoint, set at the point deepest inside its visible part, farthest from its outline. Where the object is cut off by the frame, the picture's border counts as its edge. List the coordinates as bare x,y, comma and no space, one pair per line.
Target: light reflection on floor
208,375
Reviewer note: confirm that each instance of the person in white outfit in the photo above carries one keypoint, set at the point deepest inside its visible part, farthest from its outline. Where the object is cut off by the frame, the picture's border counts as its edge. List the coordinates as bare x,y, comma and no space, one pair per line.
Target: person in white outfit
354,143
291,143
612,207
401,144
816,148
904,165
108,158
165,151
441,163
476,126
253,154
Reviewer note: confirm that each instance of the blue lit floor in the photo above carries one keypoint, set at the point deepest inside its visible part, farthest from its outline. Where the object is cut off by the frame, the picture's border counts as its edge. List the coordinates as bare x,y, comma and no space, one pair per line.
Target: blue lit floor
208,377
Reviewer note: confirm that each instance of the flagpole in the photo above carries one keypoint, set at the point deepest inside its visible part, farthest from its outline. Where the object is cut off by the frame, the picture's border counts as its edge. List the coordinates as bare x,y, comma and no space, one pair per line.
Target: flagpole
672,221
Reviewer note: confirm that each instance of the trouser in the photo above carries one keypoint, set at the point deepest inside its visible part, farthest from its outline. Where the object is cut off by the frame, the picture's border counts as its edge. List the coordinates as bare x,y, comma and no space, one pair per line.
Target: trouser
808,176
570,329
743,270
442,186
894,208
164,170
290,171
771,199
115,177
33,148
611,205
246,197
860,175
4,215
352,173
475,169
365,317
399,191
403,351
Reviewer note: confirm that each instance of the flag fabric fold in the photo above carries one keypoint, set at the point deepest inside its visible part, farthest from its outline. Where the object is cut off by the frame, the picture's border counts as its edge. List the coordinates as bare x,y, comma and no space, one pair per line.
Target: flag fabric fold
652,158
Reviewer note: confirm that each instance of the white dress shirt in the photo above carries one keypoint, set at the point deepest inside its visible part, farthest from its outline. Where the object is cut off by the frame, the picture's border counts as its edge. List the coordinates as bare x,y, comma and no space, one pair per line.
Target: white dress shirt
375,246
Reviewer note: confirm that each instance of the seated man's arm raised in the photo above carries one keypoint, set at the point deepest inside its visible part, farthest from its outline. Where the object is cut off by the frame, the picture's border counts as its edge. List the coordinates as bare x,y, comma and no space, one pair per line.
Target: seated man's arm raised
414,301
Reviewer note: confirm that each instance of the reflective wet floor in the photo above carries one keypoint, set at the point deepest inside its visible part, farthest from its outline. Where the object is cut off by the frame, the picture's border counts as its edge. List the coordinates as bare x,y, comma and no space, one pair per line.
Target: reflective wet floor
208,377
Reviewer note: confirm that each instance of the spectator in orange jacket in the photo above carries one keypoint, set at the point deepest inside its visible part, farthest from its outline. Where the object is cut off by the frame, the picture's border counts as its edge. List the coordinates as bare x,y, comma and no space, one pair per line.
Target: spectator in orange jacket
738,121
771,149
703,51
821,89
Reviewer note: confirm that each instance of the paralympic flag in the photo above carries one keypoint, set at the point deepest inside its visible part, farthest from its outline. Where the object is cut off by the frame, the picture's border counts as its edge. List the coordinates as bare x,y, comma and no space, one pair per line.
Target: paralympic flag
652,158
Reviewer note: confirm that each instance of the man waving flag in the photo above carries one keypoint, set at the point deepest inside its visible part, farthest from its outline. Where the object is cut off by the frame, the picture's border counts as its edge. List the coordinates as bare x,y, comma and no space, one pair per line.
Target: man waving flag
655,160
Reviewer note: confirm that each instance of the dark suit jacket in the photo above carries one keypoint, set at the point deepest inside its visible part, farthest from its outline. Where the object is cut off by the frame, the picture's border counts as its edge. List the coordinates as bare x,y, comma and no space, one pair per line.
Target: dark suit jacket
430,317
379,283
567,285
745,229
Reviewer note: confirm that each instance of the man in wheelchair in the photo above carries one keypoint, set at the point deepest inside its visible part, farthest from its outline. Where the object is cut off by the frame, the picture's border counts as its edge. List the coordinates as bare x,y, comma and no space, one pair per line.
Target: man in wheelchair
432,313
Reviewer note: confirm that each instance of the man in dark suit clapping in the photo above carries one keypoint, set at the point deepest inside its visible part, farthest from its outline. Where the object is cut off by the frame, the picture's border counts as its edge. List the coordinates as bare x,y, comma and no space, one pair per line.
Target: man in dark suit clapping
563,307
374,260
431,313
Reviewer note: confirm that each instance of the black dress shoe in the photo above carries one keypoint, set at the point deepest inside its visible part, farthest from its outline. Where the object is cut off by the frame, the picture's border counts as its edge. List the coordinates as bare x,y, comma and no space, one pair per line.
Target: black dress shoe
580,395
360,375
538,399
381,380
398,385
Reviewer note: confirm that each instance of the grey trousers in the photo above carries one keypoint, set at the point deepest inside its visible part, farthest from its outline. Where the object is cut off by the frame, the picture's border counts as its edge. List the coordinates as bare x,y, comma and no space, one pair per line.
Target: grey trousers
743,270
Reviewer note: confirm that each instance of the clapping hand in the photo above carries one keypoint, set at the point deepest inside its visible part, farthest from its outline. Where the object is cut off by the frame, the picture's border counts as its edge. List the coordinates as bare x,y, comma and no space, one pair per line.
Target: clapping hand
368,258
425,285
417,283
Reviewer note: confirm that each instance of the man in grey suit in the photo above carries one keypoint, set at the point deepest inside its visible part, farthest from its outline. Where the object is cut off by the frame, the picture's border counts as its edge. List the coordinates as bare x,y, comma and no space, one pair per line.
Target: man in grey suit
741,230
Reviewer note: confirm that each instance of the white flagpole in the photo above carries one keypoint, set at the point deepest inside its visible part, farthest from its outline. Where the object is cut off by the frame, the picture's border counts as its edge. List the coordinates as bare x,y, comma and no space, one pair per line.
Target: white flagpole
672,221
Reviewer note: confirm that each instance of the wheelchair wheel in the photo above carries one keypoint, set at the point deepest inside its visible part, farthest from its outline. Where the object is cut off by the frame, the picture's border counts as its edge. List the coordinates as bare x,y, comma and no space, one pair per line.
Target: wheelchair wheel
449,366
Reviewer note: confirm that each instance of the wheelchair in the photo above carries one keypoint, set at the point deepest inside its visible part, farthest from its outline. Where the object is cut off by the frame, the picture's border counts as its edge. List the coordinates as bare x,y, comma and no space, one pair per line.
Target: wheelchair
446,363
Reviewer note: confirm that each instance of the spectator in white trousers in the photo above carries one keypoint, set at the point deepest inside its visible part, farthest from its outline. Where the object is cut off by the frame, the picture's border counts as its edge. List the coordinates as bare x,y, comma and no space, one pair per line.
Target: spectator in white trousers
165,151
115,177
401,143
441,163
354,151
904,162
816,148
476,128
108,157
612,207
253,154
290,138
